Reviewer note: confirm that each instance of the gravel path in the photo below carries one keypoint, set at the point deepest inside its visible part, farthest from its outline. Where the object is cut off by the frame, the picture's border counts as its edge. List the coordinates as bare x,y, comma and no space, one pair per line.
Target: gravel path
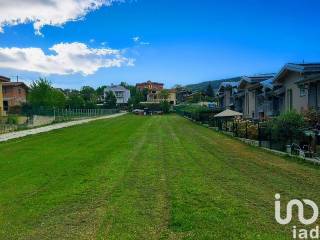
19,134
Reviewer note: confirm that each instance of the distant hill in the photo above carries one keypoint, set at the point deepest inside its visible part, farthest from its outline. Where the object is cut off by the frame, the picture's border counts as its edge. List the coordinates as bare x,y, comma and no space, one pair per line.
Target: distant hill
214,83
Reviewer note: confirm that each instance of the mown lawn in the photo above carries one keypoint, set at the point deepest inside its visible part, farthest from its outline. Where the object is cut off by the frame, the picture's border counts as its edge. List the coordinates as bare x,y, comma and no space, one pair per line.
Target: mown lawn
145,178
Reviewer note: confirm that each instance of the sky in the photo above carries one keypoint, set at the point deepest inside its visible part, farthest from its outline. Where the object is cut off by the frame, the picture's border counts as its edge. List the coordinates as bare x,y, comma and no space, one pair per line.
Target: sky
98,42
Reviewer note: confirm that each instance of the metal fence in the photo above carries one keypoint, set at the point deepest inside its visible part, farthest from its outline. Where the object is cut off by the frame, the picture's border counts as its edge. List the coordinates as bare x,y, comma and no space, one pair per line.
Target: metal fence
6,128
257,132
39,117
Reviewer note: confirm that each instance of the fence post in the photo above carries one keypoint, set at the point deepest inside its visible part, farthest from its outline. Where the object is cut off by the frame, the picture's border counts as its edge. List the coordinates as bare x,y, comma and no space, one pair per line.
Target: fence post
259,134
246,129
270,138
237,134
233,126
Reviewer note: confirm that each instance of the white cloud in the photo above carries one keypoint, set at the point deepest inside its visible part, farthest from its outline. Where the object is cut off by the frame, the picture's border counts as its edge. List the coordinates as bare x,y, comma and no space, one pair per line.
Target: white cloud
136,39
67,58
46,12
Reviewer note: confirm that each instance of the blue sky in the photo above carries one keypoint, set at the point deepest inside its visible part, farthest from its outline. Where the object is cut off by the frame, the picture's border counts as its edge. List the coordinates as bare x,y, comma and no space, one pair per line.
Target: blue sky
181,42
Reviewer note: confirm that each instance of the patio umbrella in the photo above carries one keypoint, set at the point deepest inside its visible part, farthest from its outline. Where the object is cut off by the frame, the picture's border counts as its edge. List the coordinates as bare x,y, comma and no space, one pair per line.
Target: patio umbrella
228,113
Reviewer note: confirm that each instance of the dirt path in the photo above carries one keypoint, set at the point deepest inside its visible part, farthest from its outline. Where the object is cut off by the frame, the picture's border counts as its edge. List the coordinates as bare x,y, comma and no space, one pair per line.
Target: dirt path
19,134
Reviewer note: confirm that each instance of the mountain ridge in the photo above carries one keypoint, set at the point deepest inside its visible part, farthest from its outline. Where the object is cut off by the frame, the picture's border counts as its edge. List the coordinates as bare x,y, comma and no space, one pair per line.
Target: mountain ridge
214,83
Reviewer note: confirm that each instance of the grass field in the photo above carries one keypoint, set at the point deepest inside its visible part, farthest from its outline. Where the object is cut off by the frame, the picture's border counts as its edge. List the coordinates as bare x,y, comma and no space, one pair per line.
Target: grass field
145,178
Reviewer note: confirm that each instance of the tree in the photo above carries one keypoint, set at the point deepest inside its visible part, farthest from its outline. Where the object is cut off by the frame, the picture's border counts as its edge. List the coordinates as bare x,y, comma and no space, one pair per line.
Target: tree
165,106
75,100
42,94
89,96
287,126
209,91
100,91
125,85
110,100
164,94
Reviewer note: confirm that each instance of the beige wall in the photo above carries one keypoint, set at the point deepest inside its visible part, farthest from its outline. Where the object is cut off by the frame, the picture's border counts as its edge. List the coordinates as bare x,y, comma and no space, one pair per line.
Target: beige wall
299,103
227,95
249,104
172,98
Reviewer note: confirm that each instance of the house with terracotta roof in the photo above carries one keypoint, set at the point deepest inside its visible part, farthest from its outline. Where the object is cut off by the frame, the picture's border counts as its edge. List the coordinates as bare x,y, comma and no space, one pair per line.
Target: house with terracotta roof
150,86
14,94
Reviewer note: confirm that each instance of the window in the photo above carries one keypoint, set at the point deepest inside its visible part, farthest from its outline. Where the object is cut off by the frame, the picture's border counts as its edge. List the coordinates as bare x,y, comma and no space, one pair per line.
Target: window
247,103
289,99
303,92
19,91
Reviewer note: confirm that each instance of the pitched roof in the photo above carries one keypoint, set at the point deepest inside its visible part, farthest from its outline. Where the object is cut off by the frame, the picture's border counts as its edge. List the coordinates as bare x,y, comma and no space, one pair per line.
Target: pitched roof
255,79
149,82
4,79
116,88
305,68
15,84
311,78
228,85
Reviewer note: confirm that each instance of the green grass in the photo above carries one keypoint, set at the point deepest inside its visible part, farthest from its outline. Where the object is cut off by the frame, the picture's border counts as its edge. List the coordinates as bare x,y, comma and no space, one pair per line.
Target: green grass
145,178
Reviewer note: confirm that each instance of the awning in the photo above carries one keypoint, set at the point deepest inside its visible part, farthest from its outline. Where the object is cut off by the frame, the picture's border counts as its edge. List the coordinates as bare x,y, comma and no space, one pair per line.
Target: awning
228,113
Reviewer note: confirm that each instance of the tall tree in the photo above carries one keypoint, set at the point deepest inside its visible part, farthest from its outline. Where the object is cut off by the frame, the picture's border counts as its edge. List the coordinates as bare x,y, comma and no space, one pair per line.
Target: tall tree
42,94
75,100
209,91
100,90
110,100
164,94
89,96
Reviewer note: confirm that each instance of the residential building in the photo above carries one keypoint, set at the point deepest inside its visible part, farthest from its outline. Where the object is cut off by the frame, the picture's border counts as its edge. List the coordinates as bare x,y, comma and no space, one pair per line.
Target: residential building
172,98
150,86
14,94
156,96
182,94
195,97
298,86
312,83
250,86
2,80
226,94
265,100
122,94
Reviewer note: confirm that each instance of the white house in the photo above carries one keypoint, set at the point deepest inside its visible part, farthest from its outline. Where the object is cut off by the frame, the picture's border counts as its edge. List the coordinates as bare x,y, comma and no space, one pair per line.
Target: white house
122,94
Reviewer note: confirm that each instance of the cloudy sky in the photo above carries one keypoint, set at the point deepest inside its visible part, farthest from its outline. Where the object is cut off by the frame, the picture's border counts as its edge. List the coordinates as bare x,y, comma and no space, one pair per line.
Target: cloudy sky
98,42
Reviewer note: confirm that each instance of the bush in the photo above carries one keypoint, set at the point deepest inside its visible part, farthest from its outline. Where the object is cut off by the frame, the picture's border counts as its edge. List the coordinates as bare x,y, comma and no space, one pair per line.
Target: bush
246,128
311,117
287,127
12,119
165,106
196,112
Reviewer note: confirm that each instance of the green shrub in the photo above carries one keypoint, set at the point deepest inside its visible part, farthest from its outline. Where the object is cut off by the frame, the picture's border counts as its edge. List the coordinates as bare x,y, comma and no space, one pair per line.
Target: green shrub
12,119
286,127
196,112
165,106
